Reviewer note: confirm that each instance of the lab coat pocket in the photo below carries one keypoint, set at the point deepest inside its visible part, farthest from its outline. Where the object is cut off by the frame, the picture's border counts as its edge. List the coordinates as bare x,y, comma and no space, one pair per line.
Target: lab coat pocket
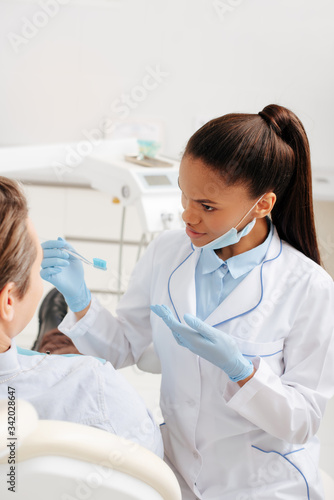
292,473
271,352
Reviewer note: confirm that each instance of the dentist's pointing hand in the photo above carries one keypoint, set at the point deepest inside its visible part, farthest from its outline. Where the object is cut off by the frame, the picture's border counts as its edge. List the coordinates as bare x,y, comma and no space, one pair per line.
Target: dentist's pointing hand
208,342
66,273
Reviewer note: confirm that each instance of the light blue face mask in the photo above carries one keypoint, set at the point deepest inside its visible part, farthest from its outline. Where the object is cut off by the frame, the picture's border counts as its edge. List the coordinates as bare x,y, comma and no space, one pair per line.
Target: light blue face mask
232,236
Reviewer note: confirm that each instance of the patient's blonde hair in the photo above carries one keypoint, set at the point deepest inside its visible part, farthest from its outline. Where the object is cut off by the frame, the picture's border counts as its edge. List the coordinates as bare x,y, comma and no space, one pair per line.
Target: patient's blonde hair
17,249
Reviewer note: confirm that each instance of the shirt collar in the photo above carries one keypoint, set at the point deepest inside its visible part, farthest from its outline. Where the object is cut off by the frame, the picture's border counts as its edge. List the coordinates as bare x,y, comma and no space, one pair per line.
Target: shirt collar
9,362
239,264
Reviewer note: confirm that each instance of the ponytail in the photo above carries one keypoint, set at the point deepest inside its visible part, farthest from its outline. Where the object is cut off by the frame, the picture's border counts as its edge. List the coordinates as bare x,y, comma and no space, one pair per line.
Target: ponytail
268,151
293,211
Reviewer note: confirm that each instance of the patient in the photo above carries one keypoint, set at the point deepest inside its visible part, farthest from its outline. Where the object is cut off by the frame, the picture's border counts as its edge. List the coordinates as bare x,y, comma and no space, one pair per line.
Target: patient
75,388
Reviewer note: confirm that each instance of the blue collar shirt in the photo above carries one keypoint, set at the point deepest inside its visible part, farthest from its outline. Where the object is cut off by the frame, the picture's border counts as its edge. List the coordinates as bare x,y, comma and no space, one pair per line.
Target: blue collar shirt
215,278
80,389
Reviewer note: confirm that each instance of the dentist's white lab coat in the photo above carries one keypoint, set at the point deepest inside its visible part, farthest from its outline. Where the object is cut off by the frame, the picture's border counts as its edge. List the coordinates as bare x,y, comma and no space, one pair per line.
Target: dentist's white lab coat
256,442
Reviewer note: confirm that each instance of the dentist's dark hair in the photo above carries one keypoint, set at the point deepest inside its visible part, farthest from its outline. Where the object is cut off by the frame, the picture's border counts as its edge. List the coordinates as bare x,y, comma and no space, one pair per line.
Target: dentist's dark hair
17,249
268,151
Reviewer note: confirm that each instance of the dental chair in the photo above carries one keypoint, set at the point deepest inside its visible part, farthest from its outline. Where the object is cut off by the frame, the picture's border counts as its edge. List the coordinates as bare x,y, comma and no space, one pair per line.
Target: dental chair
68,461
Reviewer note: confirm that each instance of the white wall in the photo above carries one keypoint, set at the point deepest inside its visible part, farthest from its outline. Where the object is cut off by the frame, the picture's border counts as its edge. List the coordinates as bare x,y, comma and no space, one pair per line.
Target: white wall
66,74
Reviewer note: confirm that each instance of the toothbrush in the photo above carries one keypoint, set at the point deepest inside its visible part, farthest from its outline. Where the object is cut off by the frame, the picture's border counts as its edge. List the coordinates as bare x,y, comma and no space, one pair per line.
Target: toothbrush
97,263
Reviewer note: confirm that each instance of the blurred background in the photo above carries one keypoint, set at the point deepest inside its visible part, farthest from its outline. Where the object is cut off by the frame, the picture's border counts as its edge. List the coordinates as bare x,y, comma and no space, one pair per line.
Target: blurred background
64,72
77,73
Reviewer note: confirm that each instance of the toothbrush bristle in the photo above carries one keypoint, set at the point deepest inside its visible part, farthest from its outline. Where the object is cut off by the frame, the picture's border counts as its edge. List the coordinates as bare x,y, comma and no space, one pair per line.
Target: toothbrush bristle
100,264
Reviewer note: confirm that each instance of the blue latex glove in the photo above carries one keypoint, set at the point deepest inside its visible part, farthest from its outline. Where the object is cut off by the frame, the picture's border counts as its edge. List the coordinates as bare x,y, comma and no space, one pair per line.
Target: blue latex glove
208,342
66,273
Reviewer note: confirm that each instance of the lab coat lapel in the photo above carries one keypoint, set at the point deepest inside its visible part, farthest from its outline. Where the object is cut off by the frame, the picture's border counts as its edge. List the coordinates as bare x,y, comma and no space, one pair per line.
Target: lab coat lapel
248,294
181,284
243,298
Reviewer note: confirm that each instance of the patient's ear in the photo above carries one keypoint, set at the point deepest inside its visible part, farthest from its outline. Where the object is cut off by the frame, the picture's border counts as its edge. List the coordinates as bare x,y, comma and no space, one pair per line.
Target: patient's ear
8,298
